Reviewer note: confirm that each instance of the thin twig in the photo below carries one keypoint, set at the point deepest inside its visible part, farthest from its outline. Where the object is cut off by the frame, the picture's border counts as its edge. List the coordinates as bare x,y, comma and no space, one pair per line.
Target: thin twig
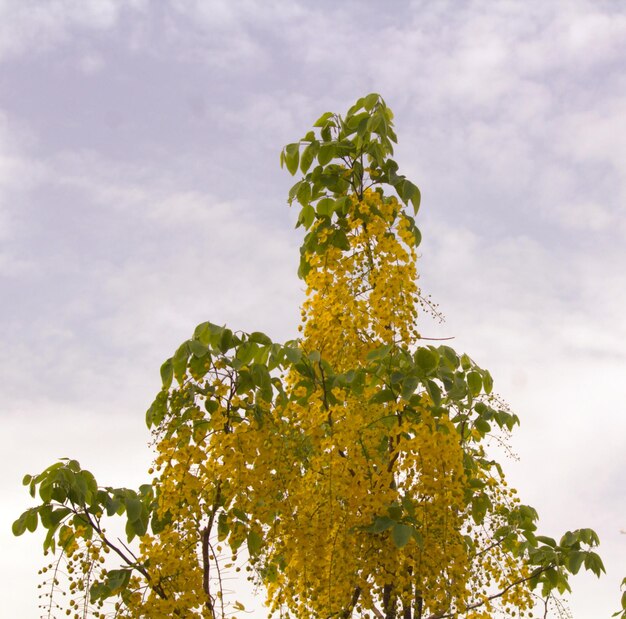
535,573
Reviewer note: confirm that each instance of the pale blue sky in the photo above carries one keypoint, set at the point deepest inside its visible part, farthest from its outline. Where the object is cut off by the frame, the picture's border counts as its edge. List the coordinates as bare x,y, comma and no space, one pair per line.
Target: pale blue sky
140,194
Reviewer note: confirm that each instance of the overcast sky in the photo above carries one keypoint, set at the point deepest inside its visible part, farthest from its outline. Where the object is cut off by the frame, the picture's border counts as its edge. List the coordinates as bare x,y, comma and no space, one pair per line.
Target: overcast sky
141,194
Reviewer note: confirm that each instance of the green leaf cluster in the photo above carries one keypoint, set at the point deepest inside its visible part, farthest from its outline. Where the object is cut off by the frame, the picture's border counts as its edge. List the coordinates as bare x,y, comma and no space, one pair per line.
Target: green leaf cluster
340,159
70,497
622,612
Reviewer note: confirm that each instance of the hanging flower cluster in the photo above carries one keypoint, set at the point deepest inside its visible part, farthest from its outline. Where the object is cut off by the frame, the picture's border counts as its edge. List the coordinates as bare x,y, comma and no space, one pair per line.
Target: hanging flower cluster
347,472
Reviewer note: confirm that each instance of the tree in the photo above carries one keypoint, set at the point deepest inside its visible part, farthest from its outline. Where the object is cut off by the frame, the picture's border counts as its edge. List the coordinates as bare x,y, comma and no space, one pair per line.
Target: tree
349,469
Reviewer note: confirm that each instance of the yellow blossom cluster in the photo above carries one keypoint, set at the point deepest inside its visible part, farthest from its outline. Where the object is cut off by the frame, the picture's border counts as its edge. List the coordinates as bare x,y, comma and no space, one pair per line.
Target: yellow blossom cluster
495,563
346,504
347,471
186,496
368,463
366,296
73,572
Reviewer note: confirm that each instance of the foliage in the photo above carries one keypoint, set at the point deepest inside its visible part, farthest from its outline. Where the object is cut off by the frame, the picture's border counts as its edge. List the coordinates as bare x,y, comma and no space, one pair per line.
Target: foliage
622,612
348,469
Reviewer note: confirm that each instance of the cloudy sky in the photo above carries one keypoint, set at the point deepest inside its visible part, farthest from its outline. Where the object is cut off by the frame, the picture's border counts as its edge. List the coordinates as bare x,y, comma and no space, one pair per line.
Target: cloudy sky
141,193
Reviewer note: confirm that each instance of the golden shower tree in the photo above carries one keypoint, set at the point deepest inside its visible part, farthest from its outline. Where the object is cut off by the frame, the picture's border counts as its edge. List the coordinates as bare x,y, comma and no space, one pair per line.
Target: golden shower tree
347,470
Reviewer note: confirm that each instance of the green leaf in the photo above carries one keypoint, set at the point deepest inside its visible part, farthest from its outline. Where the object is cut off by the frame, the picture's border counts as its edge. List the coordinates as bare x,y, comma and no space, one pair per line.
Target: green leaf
307,216
379,353
409,193
395,511
304,194
222,527
308,154
575,561
197,367
451,359
373,125
594,563
158,524
325,207
179,362
203,332
259,338
419,539
528,513
370,101
112,505
414,196
386,395
260,374
380,524
434,392
99,591
240,514
197,348
66,536
226,341
426,359
133,508
292,157
482,426
294,355
116,579
408,505
417,235
480,504
327,152
487,382
54,517
401,534
343,204
339,239
314,356
19,526
321,121
293,192
167,373
247,352
140,526
409,386
255,542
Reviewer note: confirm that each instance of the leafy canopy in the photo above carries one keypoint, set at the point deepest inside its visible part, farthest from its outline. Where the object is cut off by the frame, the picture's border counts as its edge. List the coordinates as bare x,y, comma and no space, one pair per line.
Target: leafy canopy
347,471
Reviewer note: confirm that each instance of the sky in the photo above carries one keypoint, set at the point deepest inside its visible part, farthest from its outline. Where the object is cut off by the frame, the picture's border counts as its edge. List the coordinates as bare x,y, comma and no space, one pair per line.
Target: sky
141,194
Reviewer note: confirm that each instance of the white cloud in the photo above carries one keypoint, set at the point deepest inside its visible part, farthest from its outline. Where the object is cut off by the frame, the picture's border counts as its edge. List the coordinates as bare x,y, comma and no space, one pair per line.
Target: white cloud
18,175
583,36
590,134
549,328
174,258
28,26
90,64
508,116
222,34
226,15
586,216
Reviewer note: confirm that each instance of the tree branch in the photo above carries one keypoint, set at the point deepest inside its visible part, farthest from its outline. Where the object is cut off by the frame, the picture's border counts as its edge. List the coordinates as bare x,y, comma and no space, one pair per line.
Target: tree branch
133,564
205,570
535,573
206,563
355,598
